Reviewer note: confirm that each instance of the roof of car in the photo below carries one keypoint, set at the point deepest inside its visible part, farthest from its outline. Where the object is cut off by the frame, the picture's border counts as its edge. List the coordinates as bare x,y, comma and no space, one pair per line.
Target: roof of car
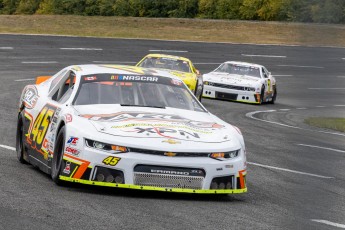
118,69
168,56
244,63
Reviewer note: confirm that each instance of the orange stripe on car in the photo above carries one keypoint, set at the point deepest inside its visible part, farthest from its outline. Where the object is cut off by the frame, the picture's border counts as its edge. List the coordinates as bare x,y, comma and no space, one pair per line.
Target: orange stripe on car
81,170
242,181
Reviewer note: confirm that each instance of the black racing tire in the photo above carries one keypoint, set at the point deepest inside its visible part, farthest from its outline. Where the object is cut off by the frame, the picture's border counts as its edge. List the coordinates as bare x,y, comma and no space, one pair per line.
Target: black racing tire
274,97
20,139
196,91
57,162
262,95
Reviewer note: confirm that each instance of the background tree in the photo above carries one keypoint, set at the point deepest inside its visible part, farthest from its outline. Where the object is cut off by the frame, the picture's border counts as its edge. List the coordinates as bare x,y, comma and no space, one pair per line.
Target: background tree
207,8
183,8
9,6
228,9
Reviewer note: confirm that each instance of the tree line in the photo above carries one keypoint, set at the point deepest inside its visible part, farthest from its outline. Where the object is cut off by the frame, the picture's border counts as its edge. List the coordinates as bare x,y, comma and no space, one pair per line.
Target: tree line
322,11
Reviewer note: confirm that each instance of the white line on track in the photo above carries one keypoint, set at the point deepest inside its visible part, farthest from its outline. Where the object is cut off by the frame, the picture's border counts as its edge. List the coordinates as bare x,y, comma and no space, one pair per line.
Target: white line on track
329,223
301,108
39,62
81,49
121,62
302,66
289,170
284,109
28,79
283,75
341,76
339,105
170,51
319,147
6,48
7,147
259,55
326,88
320,106
251,115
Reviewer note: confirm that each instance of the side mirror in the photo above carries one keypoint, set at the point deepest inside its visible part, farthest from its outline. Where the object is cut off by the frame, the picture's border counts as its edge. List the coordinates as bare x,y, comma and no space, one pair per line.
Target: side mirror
41,79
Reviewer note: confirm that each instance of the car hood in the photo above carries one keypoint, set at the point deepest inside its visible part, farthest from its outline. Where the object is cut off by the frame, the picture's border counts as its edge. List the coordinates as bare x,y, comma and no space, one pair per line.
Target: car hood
154,126
234,79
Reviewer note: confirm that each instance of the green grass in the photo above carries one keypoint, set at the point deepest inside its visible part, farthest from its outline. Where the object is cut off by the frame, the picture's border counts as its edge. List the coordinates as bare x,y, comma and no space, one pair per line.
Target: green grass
327,122
177,29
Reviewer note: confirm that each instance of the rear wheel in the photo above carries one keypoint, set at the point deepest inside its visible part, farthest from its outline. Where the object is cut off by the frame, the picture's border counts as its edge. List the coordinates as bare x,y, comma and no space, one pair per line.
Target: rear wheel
20,140
57,162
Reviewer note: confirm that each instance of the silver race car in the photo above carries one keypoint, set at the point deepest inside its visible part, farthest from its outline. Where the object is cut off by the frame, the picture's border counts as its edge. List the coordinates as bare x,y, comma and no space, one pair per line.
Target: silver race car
241,81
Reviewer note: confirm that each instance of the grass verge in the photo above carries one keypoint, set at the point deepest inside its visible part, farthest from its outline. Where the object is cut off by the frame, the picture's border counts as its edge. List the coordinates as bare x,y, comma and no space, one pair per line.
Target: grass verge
177,29
327,122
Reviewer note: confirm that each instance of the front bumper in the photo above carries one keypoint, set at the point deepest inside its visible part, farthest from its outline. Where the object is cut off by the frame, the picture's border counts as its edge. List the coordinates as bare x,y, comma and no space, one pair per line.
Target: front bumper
86,167
151,188
231,94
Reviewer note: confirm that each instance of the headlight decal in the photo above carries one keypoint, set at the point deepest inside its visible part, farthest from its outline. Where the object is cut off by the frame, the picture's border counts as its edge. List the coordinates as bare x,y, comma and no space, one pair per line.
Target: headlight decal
225,155
105,147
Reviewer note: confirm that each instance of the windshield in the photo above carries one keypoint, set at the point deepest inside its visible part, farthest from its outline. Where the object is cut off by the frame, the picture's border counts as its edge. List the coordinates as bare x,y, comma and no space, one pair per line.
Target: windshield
135,90
239,69
166,63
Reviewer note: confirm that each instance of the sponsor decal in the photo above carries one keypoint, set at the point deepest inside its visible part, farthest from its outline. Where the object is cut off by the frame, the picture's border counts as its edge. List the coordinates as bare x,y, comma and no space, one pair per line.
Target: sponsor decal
68,117
93,78
172,172
169,154
30,97
45,144
171,141
73,140
57,112
111,160
134,78
52,127
229,166
219,169
163,125
176,82
72,151
142,116
132,116
165,132
38,130
169,170
76,68
67,169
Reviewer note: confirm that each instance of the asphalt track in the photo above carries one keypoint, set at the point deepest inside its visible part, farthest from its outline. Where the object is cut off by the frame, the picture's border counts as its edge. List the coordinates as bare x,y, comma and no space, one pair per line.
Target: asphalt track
296,172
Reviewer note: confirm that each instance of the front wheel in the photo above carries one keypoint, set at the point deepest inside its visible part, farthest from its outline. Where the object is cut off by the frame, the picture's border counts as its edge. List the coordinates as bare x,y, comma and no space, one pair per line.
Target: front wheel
198,93
262,95
57,162
274,97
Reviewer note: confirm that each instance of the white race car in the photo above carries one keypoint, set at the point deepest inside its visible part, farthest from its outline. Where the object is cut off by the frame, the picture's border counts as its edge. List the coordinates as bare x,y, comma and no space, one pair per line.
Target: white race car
241,81
128,127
